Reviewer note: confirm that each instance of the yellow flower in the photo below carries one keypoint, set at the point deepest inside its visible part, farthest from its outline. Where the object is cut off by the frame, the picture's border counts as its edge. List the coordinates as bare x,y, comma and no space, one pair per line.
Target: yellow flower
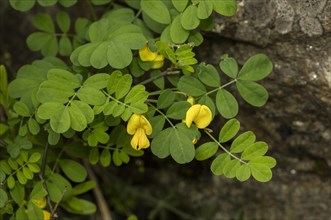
47,215
146,54
139,127
40,202
190,100
199,114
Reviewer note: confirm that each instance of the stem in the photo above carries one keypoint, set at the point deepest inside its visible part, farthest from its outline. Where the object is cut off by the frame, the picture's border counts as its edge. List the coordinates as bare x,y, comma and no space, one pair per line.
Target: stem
3,142
228,152
94,16
102,204
57,160
57,204
221,87
41,176
138,14
165,73
161,113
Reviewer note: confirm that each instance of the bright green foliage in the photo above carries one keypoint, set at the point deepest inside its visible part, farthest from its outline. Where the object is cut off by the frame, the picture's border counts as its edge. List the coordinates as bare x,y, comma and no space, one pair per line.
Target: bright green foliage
97,75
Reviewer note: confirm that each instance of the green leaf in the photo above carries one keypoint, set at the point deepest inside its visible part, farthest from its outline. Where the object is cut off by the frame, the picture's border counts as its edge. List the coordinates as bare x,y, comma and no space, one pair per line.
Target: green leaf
20,5
98,81
34,212
63,21
20,177
157,10
177,33
3,198
136,94
18,194
117,158
166,98
119,55
60,121
53,137
265,160
54,91
191,86
21,214
105,157
242,142
181,148
189,18
261,172
27,173
98,56
157,123
33,126
196,38
43,22
46,3
65,46
77,118
10,182
225,7
254,151
218,163
21,109
243,172
252,92
124,157
180,5
230,168
59,188
229,66
229,130
205,8
64,77
226,104
178,110
38,191
79,206
34,157
209,75
73,170
206,151
256,68
100,2
94,156
160,145
85,109
91,95
83,187
67,3
48,109
123,86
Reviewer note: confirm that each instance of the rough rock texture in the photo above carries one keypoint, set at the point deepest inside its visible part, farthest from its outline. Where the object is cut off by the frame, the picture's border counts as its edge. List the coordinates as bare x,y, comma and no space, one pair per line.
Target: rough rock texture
296,122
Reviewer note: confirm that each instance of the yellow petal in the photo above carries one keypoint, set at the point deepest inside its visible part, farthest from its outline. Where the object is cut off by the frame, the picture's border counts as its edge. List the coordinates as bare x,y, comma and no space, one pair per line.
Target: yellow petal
204,117
140,140
158,64
40,202
47,215
133,124
191,114
144,123
146,54
190,100
199,114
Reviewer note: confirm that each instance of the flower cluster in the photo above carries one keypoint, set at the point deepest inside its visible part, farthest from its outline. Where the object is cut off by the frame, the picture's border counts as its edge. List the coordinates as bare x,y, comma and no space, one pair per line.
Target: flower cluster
146,54
139,127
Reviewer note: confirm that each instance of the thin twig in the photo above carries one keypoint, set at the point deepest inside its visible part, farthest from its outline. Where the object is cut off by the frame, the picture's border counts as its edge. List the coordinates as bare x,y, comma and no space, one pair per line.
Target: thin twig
102,204
41,176
3,142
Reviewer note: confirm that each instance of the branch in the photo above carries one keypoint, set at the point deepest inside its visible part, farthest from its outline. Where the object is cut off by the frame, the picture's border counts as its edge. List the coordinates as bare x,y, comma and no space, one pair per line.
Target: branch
102,204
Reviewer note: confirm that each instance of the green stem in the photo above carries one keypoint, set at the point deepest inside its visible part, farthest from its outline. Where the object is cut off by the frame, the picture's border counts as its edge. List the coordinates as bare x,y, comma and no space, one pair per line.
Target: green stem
165,73
57,160
161,113
221,146
94,16
221,87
